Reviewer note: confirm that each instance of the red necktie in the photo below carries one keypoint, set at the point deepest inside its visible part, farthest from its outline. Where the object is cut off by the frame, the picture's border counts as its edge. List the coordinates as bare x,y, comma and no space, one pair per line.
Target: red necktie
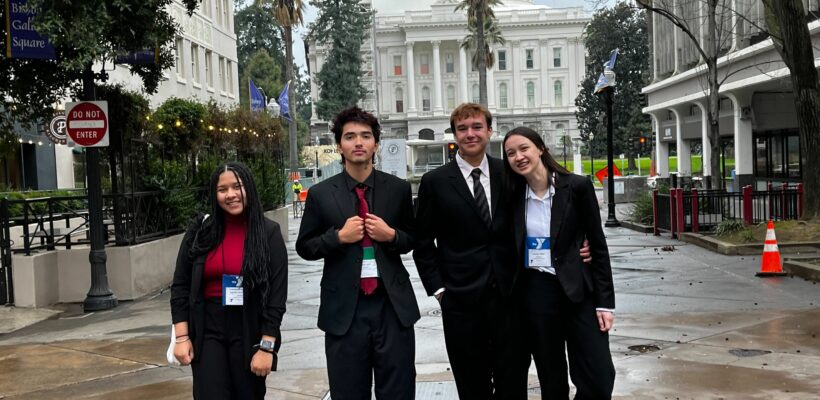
368,285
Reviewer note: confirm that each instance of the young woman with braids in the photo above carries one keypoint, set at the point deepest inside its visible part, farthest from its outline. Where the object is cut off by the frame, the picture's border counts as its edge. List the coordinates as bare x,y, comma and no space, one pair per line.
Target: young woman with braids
229,291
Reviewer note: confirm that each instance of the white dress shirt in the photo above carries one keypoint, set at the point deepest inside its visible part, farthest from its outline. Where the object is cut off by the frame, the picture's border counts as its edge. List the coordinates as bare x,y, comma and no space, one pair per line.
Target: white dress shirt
467,169
538,214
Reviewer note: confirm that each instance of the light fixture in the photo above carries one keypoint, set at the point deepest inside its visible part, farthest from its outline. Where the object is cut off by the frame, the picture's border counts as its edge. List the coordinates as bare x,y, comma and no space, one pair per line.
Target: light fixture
159,126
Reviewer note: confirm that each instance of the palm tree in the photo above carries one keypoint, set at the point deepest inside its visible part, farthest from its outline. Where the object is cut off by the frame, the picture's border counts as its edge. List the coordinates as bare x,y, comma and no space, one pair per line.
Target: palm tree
289,14
477,12
492,35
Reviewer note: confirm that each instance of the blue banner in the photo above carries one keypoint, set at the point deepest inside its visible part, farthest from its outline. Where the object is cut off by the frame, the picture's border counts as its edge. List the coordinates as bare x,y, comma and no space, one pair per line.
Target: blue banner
142,57
603,81
284,107
257,99
22,41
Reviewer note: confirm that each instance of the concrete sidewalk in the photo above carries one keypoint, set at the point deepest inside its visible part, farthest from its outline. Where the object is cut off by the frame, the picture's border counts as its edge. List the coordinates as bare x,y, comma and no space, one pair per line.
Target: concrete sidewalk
690,324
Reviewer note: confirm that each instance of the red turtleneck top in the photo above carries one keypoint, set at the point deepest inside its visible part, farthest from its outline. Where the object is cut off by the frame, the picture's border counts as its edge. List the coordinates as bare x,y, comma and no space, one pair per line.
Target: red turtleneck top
226,258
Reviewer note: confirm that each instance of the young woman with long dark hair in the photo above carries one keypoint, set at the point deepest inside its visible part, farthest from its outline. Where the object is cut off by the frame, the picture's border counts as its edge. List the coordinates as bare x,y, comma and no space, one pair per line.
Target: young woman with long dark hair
229,291
567,303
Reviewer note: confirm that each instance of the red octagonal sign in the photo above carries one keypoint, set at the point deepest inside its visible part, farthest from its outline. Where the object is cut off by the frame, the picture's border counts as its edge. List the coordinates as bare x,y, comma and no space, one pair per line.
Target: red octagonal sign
87,123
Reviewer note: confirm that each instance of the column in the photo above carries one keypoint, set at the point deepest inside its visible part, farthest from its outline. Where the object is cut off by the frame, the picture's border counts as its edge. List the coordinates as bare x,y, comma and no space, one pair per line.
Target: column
464,92
411,81
677,44
545,77
683,146
572,85
491,89
515,100
661,148
437,109
744,141
706,145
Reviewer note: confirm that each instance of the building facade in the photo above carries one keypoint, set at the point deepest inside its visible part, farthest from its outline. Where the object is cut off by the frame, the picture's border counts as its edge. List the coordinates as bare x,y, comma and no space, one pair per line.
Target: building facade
417,73
757,120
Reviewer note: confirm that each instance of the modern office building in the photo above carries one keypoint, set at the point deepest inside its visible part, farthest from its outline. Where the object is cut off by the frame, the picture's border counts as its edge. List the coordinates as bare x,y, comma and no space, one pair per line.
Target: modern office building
757,120
418,72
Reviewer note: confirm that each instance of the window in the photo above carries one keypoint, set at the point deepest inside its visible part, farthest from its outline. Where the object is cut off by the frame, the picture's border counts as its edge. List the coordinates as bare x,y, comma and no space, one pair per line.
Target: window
502,94
559,95
476,94
451,97
229,73
530,61
424,64
206,8
399,100
195,63
530,94
449,63
209,70
222,83
556,57
425,98
180,55
397,65
219,12
502,60
226,9
472,64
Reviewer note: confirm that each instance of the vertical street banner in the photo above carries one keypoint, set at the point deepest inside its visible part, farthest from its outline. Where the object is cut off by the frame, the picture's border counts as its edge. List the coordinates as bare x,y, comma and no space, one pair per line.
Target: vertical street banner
393,155
257,99
284,106
22,40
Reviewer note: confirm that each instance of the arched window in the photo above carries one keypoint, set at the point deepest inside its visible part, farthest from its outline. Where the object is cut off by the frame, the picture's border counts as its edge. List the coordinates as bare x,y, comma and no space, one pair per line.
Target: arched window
476,94
427,134
530,94
451,97
399,100
559,95
502,94
425,98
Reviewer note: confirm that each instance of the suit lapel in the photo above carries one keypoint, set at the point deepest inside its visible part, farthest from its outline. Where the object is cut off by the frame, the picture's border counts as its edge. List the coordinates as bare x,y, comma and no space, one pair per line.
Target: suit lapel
519,224
380,201
340,193
460,186
560,201
495,183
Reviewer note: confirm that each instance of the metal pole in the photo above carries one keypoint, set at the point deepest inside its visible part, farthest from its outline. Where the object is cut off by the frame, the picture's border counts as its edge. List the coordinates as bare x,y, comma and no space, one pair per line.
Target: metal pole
611,220
99,296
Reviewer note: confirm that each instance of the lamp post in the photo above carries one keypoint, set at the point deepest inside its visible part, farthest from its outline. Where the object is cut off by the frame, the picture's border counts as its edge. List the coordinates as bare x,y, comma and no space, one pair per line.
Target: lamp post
606,91
591,155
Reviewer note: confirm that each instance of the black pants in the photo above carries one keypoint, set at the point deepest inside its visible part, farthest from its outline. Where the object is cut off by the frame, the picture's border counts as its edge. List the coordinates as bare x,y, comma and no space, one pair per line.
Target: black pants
221,371
376,345
484,347
553,322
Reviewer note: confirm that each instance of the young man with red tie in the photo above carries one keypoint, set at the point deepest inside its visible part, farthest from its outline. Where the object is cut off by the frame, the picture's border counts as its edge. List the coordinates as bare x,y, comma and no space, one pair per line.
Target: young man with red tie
360,222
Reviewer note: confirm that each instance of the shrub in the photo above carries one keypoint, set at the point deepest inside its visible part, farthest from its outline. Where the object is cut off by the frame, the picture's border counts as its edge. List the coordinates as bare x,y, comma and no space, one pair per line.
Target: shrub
729,226
642,210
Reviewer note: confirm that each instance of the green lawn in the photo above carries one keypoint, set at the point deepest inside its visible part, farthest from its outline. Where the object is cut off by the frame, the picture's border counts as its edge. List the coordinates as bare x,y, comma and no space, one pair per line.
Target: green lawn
697,167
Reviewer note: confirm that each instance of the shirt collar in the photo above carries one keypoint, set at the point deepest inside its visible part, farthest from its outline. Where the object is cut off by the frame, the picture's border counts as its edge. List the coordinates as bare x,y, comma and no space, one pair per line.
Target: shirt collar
467,169
352,183
532,196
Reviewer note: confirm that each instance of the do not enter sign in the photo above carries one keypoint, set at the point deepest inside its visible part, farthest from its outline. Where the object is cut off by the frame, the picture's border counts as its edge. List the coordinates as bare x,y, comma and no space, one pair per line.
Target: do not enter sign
87,123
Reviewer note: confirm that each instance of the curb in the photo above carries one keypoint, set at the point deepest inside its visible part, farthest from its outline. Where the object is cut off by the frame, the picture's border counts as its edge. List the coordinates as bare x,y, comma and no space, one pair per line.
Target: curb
804,270
637,226
729,249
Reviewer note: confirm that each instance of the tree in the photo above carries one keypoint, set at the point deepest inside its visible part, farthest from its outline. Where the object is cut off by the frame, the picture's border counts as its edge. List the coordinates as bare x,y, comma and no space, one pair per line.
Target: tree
477,12
788,25
341,26
256,29
289,14
492,35
632,68
30,88
265,73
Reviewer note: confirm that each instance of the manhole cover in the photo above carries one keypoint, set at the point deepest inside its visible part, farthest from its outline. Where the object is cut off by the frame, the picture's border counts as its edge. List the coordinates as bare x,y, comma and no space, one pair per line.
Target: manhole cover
748,352
434,313
644,348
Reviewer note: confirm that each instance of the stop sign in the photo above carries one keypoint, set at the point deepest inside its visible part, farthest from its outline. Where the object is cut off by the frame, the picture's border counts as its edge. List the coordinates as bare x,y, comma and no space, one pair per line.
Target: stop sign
87,123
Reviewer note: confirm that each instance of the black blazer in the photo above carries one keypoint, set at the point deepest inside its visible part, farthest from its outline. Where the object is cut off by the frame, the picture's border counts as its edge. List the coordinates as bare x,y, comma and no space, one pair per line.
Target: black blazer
575,215
456,250
327,208
188,297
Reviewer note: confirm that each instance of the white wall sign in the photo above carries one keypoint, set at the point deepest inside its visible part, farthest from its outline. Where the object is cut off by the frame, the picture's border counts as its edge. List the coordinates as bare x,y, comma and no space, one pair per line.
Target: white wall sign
393,157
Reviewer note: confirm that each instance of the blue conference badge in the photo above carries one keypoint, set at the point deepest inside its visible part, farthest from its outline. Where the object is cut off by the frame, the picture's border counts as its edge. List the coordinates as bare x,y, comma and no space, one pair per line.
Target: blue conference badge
538,252
232,290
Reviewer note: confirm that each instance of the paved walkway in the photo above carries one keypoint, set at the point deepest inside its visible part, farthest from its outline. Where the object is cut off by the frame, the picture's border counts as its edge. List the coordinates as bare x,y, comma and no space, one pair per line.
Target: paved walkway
690,324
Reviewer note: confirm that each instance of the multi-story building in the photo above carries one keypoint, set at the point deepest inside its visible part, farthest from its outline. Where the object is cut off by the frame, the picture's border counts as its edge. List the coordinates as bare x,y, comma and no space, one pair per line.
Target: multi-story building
757,119
418,72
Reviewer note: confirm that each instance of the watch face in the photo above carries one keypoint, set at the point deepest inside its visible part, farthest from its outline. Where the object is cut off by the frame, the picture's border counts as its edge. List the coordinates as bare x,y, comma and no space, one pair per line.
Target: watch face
393,149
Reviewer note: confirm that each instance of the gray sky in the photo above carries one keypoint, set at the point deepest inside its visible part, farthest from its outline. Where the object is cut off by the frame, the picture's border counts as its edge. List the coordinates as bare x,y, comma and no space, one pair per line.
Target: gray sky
399,5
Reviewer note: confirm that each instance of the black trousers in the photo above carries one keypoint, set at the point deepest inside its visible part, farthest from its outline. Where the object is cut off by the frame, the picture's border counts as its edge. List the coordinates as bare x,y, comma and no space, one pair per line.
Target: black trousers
553,322
484,347
376,346
221,371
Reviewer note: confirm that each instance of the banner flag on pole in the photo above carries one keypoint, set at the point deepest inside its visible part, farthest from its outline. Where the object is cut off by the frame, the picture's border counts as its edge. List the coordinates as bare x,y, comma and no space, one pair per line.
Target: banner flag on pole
257,99
284,107
603,81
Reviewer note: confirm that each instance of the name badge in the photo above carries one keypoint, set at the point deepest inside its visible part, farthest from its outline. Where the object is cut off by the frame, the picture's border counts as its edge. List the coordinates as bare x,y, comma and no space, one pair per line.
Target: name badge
538,252
232,290
369,269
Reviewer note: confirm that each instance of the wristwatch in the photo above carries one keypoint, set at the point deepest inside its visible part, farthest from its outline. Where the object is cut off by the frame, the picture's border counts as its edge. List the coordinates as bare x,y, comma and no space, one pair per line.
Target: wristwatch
265,345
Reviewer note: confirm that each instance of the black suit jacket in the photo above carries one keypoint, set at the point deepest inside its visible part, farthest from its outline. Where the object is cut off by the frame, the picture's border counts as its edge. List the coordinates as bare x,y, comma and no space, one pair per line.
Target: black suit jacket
327,208
188,299
575,215
456,250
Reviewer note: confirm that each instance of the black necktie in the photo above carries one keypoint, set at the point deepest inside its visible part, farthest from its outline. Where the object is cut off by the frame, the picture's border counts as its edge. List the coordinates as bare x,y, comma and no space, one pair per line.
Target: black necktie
481,197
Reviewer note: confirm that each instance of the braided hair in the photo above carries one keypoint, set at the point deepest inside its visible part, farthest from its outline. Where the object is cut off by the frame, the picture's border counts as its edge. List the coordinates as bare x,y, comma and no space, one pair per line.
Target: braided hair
257,252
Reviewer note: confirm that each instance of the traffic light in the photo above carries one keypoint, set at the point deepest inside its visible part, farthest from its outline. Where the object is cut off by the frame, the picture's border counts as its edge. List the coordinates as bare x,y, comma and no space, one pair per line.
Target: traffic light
642,147
452,148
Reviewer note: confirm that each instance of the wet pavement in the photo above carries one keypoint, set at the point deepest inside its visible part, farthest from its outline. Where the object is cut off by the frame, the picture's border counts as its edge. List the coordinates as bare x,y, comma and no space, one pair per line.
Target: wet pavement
690,324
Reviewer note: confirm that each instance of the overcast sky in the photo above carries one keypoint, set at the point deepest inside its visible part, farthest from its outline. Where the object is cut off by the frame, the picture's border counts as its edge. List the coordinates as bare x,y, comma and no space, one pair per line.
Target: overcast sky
400,5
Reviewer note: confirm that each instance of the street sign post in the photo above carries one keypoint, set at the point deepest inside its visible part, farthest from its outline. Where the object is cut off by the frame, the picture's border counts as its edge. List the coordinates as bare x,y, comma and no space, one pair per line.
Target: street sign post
87,123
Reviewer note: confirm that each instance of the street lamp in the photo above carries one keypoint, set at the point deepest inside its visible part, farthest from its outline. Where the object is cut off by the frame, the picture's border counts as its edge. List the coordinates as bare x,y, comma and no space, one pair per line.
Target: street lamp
591,155
606,86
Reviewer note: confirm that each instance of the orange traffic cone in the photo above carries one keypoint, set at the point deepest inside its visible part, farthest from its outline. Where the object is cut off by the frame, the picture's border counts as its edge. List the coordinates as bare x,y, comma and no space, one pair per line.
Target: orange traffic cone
771,265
